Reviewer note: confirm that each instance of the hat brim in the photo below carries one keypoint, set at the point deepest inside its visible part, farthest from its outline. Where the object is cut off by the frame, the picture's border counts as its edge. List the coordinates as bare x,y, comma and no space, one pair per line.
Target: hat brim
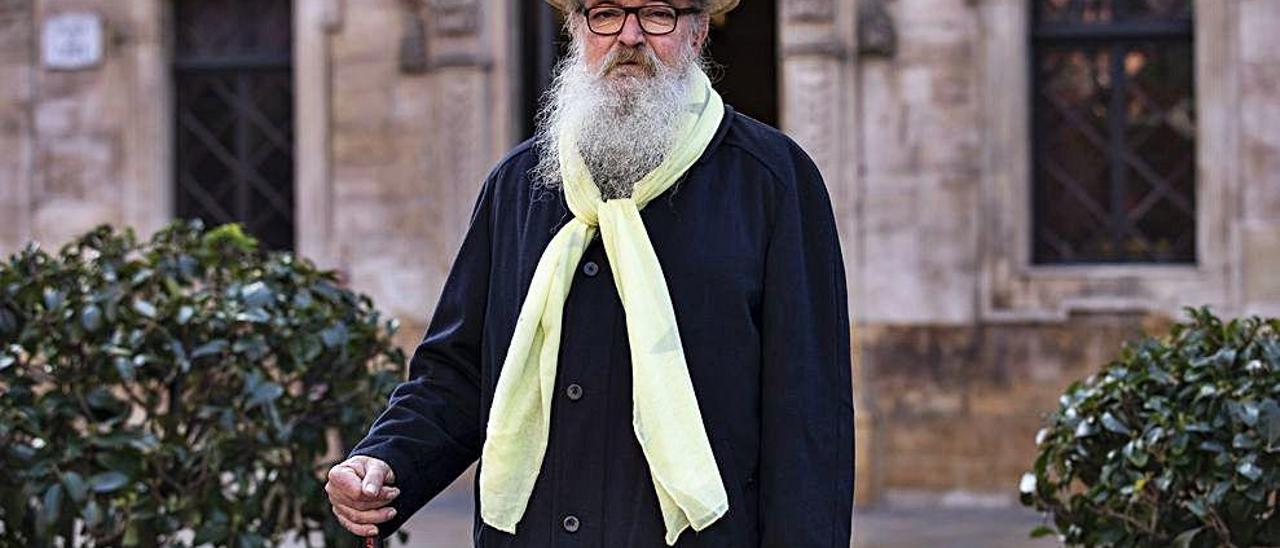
714,7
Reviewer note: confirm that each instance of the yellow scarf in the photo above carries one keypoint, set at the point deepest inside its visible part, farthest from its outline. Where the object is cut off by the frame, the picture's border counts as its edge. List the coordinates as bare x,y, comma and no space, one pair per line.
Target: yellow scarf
665,412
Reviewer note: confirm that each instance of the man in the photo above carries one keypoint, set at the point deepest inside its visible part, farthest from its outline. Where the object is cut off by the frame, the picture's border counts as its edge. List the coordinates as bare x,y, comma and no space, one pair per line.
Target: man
644,337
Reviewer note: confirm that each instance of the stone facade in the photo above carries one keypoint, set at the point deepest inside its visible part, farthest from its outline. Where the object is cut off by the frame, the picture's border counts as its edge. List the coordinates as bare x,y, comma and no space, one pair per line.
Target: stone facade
919,126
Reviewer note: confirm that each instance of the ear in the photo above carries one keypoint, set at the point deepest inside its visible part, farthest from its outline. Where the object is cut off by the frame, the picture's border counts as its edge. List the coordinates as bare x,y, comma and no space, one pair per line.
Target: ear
700,31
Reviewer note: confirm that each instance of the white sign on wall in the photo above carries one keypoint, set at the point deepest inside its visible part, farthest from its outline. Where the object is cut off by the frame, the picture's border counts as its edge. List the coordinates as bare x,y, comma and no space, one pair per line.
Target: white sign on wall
72,41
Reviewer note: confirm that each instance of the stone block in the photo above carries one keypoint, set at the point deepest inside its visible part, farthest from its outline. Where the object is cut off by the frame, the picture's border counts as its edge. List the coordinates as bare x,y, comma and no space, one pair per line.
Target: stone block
1259,41
370,32
57,117
362,110
364,147
1262,263
958,407
61,220
79,167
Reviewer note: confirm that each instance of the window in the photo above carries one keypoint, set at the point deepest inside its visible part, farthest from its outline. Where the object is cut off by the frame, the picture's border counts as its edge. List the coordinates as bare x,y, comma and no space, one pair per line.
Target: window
234,106
1113,129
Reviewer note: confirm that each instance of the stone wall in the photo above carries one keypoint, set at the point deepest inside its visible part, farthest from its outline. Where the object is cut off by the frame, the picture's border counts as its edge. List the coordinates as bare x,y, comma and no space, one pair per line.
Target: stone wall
956,408
77,146
16,43
410,147
1259,46
919,134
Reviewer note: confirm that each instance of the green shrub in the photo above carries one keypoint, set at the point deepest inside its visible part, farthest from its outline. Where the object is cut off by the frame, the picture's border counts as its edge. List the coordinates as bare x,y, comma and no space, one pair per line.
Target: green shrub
183,390
1176,443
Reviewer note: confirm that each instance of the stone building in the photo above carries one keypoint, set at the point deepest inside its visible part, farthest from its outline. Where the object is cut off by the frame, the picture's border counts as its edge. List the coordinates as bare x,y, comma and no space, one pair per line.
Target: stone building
1020,184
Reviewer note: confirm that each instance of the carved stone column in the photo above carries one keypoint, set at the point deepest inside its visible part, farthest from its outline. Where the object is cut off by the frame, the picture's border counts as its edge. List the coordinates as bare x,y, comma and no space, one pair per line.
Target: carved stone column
314,20
16,135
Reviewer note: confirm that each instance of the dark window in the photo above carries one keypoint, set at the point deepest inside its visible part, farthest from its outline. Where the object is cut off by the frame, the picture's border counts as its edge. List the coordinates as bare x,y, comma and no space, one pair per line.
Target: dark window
1113,132
234,107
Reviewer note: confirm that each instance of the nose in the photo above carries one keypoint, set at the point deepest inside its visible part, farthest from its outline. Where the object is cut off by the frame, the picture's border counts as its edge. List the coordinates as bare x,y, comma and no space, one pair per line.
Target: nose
632,34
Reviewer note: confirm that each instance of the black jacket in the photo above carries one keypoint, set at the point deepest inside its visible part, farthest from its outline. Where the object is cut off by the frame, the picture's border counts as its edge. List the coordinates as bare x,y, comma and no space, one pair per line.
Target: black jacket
748,244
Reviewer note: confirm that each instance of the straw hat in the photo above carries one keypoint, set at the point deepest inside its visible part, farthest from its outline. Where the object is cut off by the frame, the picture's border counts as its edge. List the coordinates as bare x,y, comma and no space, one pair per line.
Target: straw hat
714,7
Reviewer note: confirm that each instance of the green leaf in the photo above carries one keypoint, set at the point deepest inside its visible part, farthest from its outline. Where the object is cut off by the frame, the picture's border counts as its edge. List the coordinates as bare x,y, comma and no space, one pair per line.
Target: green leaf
124,367
52,298
1197,507
264,393
256,295
107,482
1111,423
210,348
51,507
1043,531
75,486
1183,540
1212,446
1269,422
92,514
1242,441
91,318
1249,470
254,315
184,314
335,335
145,308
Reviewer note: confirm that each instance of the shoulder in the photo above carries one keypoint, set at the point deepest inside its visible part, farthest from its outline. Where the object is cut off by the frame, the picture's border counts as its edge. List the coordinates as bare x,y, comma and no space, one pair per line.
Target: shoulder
516,163
770,150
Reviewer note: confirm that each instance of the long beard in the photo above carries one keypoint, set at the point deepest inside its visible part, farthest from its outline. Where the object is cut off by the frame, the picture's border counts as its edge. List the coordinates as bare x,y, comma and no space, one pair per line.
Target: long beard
624,124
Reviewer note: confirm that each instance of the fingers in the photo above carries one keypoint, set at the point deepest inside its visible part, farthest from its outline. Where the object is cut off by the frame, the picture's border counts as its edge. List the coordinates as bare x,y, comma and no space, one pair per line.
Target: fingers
357,529
345,485
375,475
362,522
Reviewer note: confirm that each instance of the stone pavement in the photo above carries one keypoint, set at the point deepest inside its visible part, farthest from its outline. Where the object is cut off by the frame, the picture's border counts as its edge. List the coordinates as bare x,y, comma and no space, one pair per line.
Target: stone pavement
446,523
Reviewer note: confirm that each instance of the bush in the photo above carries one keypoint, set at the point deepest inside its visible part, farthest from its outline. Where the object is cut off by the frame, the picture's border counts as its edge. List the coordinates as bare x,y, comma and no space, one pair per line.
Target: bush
1176,443
185,390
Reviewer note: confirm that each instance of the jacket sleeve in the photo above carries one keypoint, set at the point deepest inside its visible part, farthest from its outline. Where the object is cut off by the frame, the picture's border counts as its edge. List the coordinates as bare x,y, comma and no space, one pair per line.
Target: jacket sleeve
807,427
430,430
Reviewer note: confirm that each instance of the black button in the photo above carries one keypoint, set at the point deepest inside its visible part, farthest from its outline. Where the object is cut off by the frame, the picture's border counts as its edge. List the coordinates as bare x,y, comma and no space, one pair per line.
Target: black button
571,523
574,392
591,269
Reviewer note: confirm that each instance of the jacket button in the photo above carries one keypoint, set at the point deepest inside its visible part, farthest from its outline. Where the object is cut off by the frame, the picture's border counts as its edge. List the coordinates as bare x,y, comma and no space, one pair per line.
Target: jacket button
591,269
574,391
571,523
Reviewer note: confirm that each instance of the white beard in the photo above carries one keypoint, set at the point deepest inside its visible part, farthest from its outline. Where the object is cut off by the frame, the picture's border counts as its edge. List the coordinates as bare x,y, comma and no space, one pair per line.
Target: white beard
624,124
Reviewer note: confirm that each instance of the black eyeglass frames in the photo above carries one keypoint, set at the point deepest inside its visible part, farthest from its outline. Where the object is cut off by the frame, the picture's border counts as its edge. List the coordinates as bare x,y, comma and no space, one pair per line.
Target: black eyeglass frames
654,20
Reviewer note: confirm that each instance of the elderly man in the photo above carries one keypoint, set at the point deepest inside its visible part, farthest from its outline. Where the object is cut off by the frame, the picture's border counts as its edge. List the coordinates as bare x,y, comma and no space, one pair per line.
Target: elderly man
644,338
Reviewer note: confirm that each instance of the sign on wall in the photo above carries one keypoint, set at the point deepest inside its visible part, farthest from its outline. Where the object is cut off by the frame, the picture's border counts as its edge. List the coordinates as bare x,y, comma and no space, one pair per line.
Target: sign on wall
71,41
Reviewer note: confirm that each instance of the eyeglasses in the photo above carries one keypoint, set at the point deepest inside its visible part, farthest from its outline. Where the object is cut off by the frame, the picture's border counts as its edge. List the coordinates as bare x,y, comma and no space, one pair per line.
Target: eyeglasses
654,20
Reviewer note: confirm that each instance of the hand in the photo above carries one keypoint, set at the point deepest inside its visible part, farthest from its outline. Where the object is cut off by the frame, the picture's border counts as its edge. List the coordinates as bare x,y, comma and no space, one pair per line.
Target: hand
358,489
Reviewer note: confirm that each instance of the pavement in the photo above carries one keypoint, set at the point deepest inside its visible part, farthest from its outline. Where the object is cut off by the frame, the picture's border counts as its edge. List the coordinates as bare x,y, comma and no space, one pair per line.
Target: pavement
445,522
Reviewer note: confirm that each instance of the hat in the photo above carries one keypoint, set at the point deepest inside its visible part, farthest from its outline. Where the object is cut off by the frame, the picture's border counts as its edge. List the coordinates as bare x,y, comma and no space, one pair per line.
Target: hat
714,7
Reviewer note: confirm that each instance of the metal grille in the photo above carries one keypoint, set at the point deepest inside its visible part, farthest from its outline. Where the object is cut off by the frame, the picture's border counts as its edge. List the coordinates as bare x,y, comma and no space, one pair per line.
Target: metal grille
234,127
1114,132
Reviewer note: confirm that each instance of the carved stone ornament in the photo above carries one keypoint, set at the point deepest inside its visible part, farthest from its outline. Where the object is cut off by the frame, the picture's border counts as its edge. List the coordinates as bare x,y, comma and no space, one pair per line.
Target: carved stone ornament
809,10
454,17
876,32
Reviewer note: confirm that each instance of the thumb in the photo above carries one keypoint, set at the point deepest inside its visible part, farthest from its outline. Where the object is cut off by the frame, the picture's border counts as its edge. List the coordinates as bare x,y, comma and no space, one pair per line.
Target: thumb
376,473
